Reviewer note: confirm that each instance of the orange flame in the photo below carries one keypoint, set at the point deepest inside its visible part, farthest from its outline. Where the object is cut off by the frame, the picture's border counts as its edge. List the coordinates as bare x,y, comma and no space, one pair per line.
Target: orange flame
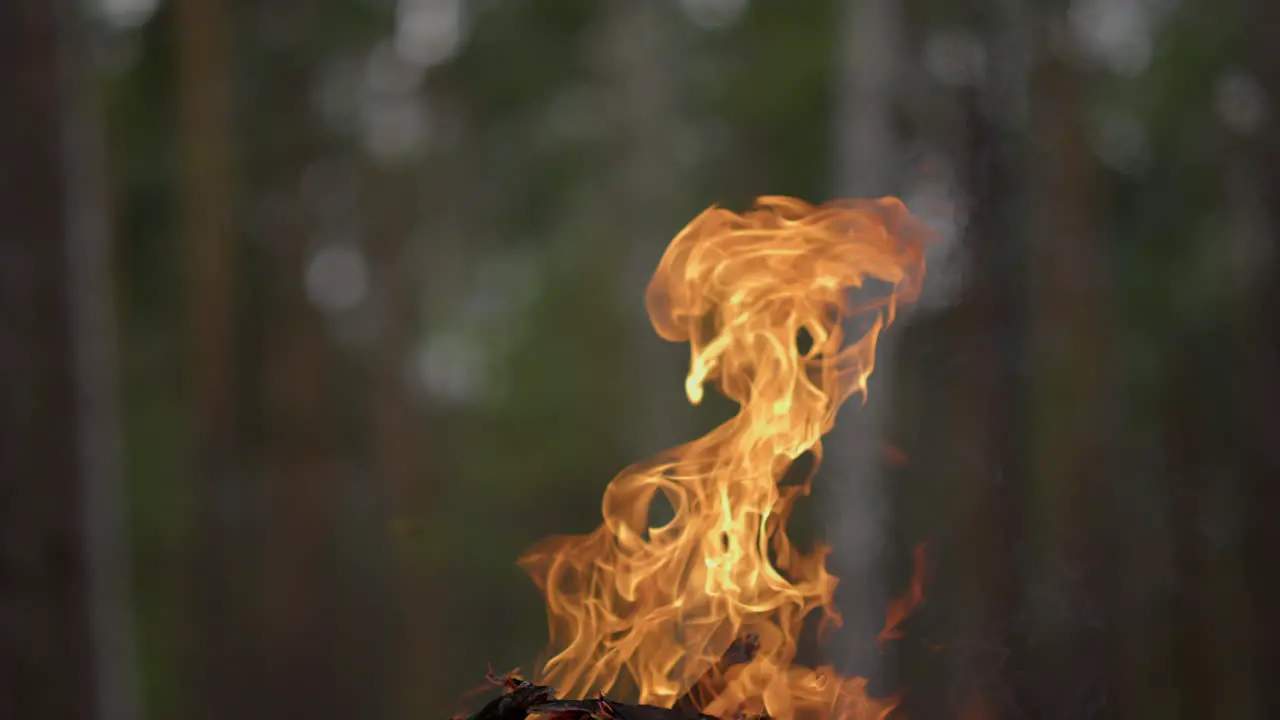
664,603
901,607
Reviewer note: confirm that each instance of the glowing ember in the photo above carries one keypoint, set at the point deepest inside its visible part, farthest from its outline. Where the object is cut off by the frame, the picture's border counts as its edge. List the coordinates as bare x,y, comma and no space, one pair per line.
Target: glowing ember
664,603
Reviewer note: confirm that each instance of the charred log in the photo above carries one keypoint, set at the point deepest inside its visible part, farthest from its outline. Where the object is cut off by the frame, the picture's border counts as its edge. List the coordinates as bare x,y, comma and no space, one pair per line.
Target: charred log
604,709
522,699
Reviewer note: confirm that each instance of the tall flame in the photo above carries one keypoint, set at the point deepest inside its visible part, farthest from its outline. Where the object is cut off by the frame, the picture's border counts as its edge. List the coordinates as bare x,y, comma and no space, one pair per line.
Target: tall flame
664,603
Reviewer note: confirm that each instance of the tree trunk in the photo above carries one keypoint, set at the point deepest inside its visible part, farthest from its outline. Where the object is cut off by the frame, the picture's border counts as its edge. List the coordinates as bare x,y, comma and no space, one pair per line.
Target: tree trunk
1070,414
866,152
65,647
302,473
217,574
305,456
640,58
404,468
1260,394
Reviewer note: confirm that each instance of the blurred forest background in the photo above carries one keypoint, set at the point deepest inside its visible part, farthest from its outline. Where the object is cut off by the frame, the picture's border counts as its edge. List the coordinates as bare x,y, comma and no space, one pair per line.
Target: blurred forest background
317,313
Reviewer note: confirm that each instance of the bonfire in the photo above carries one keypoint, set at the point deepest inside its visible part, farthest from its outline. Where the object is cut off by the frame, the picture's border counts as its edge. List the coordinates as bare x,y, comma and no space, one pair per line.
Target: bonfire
700,616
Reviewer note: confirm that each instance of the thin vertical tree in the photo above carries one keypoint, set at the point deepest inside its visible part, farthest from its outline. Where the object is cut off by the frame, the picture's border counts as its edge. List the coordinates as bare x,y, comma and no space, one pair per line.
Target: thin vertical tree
639,55
867,69
1070,338
1257,405
299,458
206,208
65,647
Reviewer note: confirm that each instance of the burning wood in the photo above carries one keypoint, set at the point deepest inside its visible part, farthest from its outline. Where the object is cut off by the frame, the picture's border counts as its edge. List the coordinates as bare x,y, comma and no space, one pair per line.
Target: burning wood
603,709
517,702
523,700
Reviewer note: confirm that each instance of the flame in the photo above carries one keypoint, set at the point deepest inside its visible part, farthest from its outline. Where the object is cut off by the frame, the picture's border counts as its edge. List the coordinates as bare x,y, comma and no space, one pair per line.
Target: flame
901,607
664,603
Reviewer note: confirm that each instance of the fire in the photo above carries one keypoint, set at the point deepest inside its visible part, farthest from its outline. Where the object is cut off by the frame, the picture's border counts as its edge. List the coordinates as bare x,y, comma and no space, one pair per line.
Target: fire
903,606
664,603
